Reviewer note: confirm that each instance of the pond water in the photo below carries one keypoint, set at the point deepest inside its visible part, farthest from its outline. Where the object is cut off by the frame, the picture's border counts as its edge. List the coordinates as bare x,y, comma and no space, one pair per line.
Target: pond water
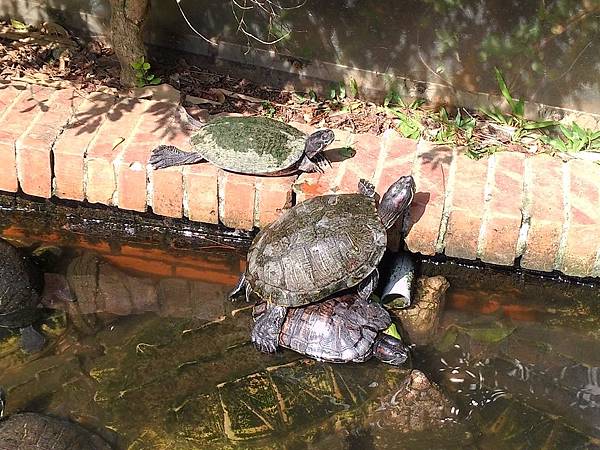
153,355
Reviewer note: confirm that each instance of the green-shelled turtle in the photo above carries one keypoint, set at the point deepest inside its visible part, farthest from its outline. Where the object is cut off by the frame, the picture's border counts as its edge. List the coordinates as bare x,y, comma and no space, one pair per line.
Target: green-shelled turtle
250,145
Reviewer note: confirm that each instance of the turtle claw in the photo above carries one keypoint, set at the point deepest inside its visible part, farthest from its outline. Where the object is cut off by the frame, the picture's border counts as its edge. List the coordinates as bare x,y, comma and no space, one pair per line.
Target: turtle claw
265,334
264,344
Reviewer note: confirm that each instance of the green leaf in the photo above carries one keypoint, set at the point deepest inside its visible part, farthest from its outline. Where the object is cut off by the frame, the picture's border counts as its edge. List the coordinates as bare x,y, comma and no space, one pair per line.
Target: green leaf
567,132
504,89
332,93
487,333
393,331
149,76
387,100
342,90
540,124
136,65
354,88
146,66
446,342
17,25
312,95
519,108
156,81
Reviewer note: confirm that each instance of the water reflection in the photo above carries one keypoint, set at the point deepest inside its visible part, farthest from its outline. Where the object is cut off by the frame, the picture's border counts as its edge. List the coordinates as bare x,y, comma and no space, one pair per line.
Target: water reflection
159,361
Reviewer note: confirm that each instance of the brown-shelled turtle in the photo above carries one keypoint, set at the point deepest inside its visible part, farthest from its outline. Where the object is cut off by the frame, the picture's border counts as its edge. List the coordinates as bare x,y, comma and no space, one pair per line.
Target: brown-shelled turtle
32,431
320,246
249,145
345,328
20,287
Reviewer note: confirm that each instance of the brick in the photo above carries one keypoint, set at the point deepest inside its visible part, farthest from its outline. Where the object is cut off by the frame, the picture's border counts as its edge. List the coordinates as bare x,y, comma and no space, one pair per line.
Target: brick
503,222
236,200
156,123
201,187
35,145
546,211
312,184
16,121
147,266
192,273
363,164
8,162
8,95
396,159
583,235
425,215
167,192
101,182
35,171
70,147
274,194
108,144
466,209
131,177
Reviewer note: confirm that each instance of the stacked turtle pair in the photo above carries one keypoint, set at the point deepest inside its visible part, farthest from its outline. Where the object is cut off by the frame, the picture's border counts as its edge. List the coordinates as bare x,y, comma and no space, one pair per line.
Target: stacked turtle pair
314,269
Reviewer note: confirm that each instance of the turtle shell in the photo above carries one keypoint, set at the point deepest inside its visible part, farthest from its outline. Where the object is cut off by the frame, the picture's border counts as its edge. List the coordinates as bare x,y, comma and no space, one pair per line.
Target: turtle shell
340,329
316,248
20,285
40,432
252,145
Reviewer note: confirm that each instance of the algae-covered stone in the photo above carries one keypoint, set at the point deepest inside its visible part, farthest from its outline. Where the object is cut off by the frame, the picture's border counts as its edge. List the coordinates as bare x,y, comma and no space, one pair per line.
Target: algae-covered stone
420,321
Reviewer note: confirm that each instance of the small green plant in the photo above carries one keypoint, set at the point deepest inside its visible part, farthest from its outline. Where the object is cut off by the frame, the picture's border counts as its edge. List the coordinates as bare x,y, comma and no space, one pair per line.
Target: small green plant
354,88
337,92
392,99
410,127
454,131
516,119
573,138
19,26
268,108
143,77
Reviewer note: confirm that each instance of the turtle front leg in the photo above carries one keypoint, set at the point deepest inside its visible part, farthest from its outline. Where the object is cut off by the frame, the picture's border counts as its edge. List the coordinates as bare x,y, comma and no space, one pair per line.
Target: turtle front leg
317,164
165,156
32,341
368,285
265,334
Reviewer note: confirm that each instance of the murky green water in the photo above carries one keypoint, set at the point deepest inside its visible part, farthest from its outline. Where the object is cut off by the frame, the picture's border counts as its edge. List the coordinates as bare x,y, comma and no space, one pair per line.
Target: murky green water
153,356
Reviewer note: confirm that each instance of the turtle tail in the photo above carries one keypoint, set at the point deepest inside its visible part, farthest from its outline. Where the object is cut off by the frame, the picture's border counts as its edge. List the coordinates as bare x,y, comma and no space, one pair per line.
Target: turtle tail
165,156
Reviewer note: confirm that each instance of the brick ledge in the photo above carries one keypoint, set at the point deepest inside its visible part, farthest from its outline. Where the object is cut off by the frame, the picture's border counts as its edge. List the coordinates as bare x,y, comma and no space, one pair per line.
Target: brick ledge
535,211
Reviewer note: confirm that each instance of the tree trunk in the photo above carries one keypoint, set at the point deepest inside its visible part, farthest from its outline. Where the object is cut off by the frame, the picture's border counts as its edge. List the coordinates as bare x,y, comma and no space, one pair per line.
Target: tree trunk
126,21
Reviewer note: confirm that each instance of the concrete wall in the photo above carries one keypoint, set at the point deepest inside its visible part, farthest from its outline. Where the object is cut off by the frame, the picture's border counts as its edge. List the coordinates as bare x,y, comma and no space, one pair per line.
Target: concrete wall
548,50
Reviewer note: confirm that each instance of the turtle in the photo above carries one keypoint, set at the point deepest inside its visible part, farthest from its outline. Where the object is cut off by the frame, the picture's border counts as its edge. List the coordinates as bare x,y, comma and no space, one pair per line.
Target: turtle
318,247
20,286
344,328
33,431
249,145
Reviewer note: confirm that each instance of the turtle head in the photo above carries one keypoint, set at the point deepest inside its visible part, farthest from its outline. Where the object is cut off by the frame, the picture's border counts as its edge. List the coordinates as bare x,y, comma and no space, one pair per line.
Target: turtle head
317,141
390,350
2,402
396,200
